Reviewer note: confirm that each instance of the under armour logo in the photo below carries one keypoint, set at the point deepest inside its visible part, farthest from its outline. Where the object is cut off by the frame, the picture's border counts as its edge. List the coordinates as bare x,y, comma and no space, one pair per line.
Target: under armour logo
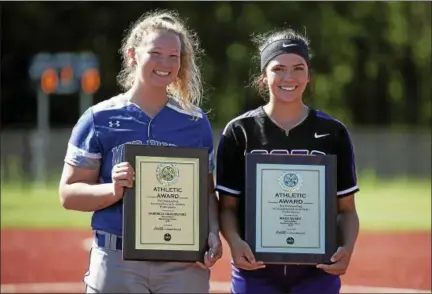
112,124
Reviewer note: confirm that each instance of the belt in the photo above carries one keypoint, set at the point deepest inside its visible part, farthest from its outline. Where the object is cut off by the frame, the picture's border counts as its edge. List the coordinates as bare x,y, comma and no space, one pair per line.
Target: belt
108,241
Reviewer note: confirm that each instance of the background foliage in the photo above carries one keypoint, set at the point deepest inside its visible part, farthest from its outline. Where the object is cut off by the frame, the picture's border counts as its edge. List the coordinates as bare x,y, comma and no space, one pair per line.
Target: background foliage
372,60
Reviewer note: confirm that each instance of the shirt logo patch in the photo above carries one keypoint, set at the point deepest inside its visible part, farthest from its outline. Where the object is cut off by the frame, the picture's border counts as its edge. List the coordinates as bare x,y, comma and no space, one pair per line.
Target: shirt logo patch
114,123
317,136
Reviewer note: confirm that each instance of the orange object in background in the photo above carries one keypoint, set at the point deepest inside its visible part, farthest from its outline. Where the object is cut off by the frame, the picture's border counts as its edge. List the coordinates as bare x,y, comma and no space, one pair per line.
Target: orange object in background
49,81
90,81
66,75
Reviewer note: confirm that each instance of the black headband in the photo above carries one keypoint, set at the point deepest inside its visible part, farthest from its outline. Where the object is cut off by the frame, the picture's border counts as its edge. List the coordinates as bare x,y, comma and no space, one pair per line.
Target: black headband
281,47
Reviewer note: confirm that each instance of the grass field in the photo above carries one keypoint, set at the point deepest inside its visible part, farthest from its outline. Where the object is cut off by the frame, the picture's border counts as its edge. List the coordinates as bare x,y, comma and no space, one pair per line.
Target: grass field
391,205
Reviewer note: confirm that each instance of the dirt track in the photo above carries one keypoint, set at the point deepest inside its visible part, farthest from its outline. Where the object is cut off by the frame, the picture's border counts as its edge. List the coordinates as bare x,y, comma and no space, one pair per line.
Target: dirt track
380,259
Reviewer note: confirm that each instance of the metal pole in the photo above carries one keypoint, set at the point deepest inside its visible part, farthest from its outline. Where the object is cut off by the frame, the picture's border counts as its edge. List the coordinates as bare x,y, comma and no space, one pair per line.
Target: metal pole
86,101
41,139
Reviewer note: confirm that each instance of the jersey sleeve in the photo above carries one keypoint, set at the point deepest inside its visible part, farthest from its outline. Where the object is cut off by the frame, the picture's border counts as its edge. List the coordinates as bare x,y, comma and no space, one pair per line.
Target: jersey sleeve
230,174
208,142
346,166
83,147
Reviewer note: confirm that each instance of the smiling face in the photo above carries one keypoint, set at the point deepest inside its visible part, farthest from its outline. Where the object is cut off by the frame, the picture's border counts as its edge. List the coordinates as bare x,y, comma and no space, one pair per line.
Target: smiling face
286,76
158,58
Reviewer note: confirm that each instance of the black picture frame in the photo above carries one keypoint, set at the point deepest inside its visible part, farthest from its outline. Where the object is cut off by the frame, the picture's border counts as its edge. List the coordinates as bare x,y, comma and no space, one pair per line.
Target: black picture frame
130,252
329,163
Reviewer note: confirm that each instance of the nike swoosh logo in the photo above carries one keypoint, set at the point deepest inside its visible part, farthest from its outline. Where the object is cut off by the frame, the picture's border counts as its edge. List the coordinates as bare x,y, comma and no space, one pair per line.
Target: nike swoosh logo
320,136
288,45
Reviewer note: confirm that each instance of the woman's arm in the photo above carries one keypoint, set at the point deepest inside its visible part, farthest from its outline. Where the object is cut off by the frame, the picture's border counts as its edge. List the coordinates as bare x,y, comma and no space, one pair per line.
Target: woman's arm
348,222
213,208
207,137
79,190
228,218
230,183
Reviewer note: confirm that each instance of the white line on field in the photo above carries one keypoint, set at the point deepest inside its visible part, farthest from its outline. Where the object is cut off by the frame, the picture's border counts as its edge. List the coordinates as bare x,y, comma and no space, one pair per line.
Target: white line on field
215,286
87,244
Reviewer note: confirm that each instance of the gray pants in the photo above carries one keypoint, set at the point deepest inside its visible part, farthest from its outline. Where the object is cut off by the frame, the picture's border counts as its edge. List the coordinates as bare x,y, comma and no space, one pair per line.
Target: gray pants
109,273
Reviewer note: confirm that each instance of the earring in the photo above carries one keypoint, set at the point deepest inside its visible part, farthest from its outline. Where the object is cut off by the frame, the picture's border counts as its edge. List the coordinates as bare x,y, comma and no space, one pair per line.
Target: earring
132,62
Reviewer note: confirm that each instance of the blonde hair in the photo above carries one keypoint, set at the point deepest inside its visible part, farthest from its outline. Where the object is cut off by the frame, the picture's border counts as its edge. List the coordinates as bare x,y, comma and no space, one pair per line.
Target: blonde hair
187,87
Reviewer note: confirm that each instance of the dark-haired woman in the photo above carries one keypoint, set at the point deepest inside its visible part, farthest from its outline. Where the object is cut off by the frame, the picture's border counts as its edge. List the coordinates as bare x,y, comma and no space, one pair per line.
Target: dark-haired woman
284,125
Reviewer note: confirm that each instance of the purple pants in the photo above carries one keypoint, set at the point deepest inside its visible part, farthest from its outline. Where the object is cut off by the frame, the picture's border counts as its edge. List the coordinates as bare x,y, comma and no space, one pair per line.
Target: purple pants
275,279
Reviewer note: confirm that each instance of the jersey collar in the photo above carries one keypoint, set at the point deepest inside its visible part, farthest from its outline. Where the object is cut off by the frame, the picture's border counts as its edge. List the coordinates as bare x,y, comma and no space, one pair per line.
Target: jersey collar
270,125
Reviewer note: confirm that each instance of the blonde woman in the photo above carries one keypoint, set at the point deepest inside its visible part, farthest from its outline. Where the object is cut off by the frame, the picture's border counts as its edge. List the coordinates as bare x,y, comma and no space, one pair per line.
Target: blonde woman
162,84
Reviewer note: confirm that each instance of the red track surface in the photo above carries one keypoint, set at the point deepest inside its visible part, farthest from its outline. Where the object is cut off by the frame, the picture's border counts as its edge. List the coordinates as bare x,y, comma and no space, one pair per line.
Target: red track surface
52,256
